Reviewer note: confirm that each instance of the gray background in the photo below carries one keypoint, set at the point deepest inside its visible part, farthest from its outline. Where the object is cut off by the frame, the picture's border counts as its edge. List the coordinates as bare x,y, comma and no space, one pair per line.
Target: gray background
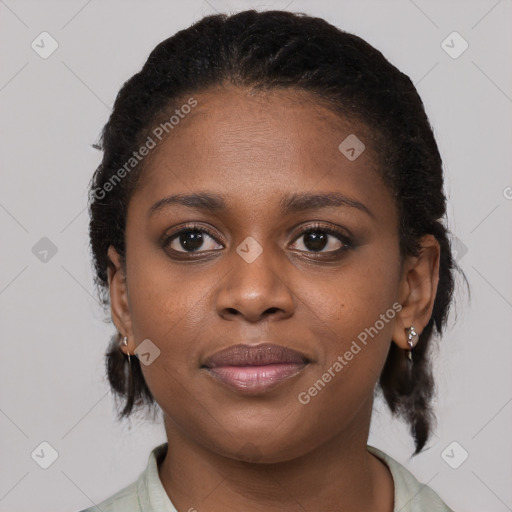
53,332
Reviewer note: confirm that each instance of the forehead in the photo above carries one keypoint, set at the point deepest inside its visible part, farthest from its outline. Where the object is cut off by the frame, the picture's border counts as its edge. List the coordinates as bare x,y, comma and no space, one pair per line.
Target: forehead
256,144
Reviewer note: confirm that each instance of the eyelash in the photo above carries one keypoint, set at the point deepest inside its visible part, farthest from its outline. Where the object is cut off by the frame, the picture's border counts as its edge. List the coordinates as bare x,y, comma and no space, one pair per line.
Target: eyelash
341,236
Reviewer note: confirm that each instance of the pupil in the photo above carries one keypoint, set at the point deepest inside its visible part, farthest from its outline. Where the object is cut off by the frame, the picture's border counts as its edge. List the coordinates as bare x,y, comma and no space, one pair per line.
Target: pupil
315,241
191,240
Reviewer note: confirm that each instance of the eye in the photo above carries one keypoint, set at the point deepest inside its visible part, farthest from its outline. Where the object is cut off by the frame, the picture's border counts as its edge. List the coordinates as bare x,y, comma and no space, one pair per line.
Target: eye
191,239
317,238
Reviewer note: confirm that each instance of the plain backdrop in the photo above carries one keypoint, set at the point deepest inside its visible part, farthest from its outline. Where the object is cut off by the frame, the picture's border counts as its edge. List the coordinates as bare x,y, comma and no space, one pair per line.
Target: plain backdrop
53,331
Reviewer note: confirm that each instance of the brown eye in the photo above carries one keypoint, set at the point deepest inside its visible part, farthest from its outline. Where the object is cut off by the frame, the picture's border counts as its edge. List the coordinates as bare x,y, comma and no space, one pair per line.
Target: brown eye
190,240
323,239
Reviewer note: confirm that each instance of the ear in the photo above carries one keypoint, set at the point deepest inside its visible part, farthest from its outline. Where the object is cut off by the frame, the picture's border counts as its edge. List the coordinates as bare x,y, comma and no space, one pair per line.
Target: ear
119,306
418,288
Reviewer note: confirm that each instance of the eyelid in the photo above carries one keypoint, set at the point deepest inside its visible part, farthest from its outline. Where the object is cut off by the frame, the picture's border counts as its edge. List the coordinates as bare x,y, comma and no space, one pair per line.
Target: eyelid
328,228
166,238
340,234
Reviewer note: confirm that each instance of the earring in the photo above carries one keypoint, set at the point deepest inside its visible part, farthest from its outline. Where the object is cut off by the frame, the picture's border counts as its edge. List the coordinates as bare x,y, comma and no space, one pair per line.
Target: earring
125,343
412,339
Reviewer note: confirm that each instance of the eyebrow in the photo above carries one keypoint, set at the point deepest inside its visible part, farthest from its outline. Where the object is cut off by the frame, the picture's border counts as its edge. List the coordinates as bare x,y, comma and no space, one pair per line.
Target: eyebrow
211,202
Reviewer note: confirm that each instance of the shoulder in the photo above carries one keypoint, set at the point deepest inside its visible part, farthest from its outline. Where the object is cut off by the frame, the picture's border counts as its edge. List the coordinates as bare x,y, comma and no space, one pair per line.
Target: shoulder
124,500
145,494
410,494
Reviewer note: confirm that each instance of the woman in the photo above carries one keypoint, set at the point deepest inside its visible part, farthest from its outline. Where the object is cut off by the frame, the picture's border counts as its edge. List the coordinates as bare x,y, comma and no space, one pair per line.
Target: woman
267,230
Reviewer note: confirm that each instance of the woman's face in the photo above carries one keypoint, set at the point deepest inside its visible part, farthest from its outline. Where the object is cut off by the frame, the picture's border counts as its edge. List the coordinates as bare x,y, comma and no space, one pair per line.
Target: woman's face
251,274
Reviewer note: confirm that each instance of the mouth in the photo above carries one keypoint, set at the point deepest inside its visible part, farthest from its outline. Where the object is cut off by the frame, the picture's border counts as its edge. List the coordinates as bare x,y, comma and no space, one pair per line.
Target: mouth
255,369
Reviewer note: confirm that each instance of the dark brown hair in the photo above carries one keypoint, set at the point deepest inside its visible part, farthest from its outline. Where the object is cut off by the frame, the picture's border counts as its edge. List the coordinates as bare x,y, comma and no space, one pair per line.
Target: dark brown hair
270,50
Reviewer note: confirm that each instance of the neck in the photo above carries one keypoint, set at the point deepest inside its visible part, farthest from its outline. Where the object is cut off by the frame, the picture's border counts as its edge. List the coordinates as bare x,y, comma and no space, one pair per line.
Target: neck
340,474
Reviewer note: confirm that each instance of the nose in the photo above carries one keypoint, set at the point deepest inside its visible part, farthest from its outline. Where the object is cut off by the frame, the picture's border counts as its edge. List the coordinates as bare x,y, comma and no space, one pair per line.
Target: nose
255,290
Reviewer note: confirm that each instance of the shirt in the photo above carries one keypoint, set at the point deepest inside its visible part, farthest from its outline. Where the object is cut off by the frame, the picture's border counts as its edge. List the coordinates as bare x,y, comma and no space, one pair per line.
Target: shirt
147,494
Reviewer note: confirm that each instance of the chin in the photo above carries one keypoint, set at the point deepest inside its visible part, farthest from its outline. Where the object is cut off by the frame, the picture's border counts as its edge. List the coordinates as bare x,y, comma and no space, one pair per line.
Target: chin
268,448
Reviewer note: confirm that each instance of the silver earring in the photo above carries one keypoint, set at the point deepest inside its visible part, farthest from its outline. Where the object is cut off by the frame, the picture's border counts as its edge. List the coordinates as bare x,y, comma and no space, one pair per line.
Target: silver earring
125,343
412,339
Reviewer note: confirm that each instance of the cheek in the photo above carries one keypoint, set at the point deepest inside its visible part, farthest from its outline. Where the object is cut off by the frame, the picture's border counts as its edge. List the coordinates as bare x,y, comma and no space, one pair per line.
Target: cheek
163,297
356,298
166,307
340,386
353,315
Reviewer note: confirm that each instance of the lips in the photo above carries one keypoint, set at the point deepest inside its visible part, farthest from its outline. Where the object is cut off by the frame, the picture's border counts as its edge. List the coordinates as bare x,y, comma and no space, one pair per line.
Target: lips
255,369
258,355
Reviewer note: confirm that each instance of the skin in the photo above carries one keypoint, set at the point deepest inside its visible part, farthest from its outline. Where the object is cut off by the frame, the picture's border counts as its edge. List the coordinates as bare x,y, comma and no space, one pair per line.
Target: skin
228,451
